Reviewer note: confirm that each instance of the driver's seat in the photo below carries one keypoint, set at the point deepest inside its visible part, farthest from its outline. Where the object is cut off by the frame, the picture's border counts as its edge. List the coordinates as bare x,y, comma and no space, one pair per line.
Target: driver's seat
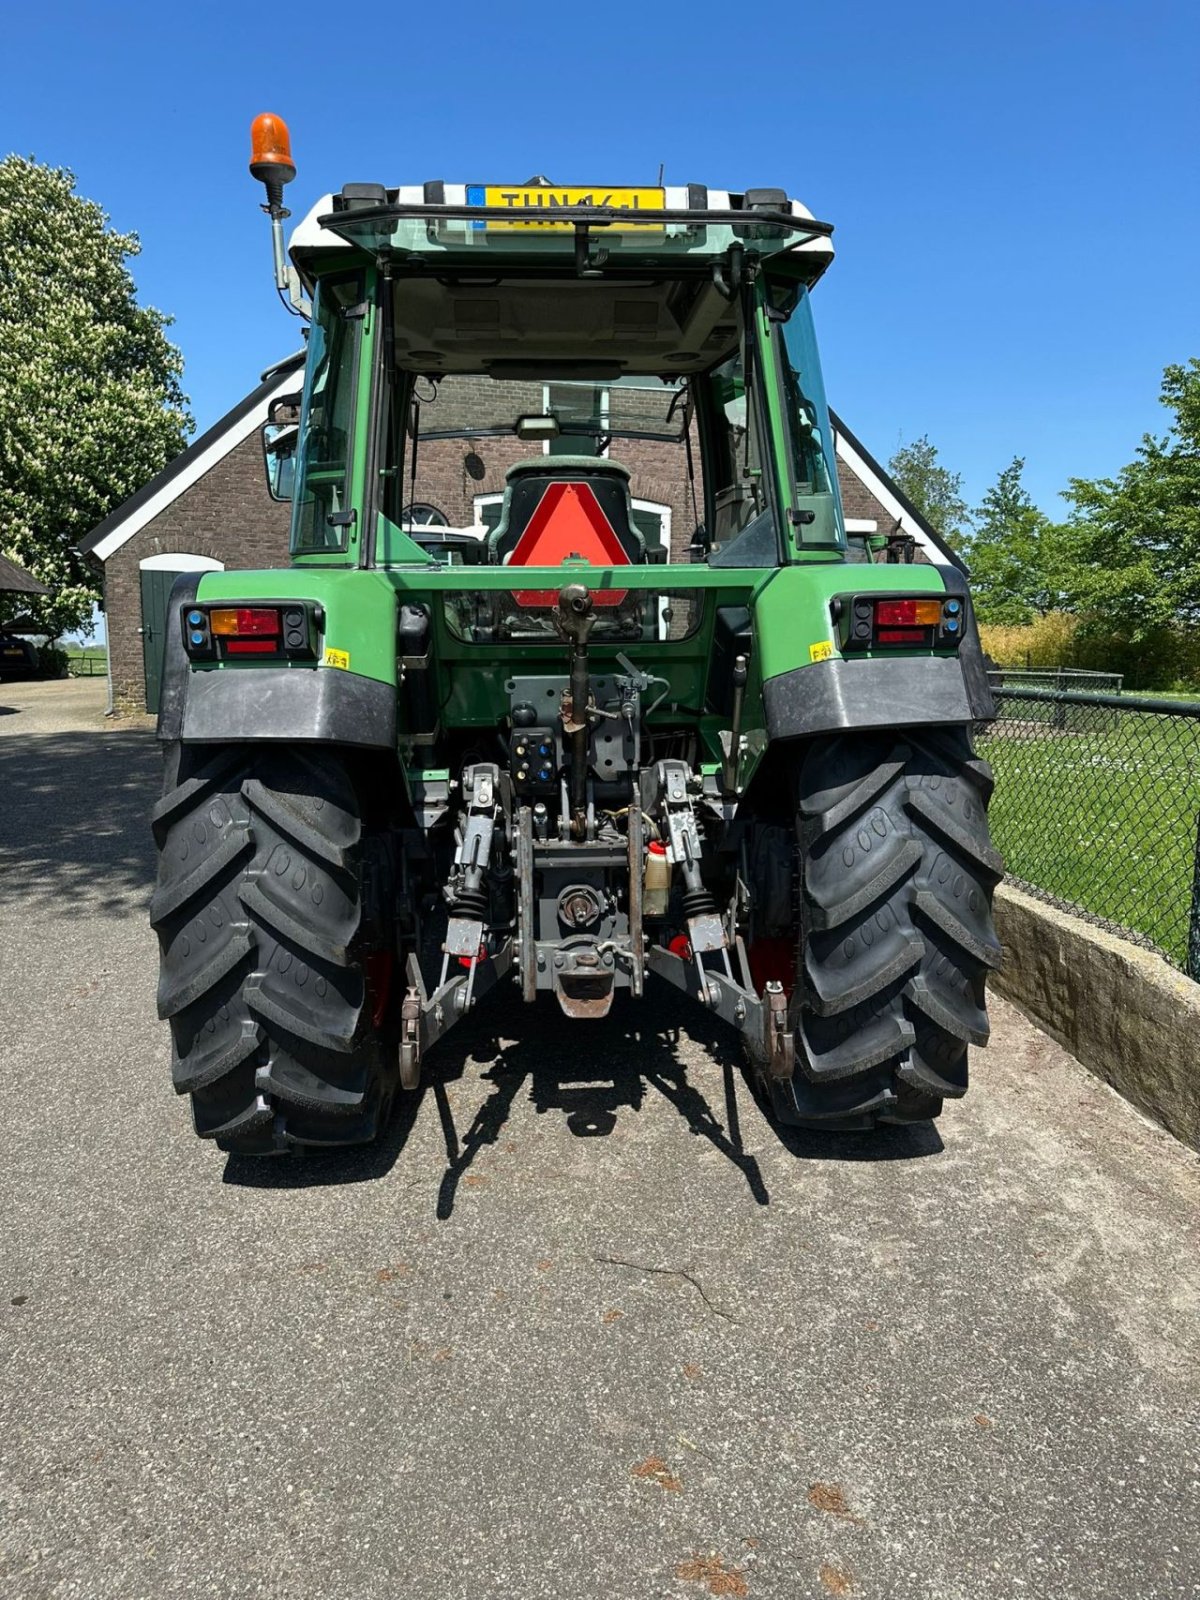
526,482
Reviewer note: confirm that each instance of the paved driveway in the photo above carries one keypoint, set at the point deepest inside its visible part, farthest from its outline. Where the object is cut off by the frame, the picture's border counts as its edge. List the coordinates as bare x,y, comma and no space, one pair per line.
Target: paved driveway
585,1326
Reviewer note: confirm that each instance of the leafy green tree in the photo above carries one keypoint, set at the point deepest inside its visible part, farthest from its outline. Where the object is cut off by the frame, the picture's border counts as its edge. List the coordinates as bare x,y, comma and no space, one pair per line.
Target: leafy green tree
1136,537
933,489
90,399
1019,558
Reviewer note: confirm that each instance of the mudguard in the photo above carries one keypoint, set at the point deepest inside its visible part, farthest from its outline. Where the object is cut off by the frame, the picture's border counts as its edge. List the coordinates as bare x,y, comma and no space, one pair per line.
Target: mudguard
839,694
315,705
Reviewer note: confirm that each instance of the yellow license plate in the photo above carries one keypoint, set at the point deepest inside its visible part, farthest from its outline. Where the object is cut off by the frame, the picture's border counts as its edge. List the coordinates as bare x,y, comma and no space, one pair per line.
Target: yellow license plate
543,206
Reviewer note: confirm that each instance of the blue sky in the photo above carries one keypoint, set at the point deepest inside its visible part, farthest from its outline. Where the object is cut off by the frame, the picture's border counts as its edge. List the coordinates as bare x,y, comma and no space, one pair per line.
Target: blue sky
1014,186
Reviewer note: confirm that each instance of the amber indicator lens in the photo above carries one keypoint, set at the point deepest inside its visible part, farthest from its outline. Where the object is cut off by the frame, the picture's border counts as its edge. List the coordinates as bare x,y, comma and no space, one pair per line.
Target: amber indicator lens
245,622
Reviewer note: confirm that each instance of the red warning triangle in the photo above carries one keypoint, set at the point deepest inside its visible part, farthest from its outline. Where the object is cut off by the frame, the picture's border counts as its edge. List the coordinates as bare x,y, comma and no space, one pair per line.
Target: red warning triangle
568,524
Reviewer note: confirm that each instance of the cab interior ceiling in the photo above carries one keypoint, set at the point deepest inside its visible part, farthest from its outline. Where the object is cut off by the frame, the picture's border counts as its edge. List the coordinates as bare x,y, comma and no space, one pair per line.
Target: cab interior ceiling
639,326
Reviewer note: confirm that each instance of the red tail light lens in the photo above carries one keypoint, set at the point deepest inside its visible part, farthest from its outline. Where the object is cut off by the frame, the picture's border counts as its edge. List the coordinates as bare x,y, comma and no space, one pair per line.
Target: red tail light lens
901,636
895,613
908,613
257,621
251,647
245,621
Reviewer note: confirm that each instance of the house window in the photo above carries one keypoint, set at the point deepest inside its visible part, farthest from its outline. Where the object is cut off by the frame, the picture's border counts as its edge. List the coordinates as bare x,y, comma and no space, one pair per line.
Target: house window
487,511
653,522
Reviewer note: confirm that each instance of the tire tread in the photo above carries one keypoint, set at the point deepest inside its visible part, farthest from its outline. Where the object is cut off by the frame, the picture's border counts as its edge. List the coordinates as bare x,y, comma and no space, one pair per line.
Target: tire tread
895,934
258,910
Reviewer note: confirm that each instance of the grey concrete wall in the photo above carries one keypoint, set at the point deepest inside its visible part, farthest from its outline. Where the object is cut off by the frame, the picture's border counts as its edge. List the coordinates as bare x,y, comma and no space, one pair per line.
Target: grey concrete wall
1123,1012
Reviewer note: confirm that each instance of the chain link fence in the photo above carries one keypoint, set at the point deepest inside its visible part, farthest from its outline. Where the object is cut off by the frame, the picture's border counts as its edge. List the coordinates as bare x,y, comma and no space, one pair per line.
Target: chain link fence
1075,680
1097,808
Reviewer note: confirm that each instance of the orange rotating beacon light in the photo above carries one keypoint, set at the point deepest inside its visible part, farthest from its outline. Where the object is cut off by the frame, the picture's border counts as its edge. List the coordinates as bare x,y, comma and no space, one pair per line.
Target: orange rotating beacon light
271,163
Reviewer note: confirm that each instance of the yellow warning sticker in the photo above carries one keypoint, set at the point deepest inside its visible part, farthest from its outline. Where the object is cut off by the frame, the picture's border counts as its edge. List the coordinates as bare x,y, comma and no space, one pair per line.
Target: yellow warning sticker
336,658
821,651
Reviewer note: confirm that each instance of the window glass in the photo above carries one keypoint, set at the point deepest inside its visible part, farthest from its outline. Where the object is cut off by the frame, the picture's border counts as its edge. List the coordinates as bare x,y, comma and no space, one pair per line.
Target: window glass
488,509
740,499
810,435
470,457
582,405
326,423
653,522
639,616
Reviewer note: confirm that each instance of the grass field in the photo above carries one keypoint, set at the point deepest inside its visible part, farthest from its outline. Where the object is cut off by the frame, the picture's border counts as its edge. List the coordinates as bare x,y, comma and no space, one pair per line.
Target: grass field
87,659
1101,808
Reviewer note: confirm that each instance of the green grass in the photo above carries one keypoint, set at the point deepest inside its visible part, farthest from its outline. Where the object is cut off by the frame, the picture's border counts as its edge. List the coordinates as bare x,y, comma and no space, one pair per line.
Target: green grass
87,660
1102,812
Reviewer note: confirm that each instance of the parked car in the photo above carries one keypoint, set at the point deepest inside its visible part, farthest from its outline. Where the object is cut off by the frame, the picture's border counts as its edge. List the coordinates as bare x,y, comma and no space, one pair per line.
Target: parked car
18,657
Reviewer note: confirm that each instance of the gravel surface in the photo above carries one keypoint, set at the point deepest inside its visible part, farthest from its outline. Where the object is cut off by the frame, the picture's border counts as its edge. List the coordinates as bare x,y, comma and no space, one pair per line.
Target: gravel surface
584,1326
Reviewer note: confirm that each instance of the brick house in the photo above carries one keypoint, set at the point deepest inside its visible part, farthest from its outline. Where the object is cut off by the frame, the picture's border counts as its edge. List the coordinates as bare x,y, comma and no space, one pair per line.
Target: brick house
209,509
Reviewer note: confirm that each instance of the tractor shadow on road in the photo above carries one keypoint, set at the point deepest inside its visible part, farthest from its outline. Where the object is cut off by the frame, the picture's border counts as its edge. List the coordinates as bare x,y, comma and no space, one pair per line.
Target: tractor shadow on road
77,818
320,1169
592,1081
591,1077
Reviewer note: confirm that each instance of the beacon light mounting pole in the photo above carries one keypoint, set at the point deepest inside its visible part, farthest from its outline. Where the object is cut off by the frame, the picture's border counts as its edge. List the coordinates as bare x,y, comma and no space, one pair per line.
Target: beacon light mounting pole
271,163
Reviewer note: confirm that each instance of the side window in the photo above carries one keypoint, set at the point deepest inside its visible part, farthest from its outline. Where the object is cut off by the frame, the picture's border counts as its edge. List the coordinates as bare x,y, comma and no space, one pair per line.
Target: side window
738,490
813,461
326,422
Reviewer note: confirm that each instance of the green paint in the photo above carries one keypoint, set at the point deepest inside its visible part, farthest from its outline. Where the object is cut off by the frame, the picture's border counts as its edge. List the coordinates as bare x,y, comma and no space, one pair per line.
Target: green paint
777,427
363,408
394,547
360,609
680,577
790,611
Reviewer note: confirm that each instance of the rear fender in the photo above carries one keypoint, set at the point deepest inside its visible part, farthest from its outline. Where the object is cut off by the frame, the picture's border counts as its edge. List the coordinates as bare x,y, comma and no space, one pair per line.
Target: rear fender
809,688
318,704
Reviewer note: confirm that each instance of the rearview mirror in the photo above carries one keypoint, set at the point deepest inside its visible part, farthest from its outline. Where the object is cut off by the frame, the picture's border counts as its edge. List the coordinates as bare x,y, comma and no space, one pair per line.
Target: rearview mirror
534,427
279,456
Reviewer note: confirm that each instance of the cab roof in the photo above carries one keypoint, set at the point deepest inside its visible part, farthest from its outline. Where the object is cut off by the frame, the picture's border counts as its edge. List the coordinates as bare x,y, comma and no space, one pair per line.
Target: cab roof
544,222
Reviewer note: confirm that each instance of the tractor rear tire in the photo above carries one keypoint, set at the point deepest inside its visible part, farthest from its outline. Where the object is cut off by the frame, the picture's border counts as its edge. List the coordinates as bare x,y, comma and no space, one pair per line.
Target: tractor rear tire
264,947
896,875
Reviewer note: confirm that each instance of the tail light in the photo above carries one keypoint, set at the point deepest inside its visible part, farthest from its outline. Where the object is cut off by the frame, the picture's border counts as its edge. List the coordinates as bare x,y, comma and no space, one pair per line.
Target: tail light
914,622
286,631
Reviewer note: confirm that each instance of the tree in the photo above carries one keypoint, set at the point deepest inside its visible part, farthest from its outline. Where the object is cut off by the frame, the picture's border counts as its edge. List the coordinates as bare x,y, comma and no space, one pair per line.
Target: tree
90,398
933,489
1136,537
1019,558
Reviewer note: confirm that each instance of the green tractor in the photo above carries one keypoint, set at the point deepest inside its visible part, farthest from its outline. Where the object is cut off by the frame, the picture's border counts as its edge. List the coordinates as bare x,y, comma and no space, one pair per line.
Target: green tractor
574,682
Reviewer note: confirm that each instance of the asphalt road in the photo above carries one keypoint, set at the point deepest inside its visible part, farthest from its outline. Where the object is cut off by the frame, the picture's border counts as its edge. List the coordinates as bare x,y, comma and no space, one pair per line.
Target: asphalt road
585,1326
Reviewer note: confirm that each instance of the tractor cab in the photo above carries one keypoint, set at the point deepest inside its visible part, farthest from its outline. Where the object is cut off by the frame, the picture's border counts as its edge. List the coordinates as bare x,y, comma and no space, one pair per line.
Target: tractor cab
654,347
